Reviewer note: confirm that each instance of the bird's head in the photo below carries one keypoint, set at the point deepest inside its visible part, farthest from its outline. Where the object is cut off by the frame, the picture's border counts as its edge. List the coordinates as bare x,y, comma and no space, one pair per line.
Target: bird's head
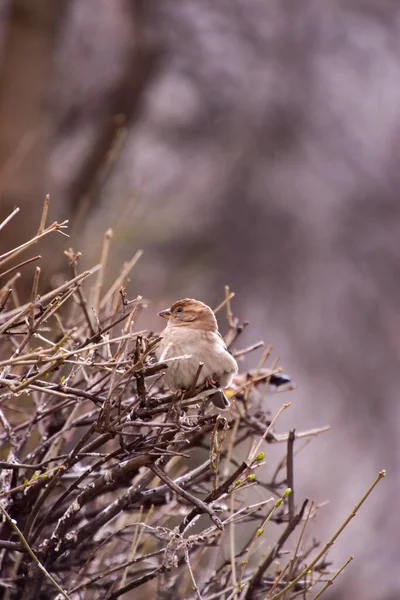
190,313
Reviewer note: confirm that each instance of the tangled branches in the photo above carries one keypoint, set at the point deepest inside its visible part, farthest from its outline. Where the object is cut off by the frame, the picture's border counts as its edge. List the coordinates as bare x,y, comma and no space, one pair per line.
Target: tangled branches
109,483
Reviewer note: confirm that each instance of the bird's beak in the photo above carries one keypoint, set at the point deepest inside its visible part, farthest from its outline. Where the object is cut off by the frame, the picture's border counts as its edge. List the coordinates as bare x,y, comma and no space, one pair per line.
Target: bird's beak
165,314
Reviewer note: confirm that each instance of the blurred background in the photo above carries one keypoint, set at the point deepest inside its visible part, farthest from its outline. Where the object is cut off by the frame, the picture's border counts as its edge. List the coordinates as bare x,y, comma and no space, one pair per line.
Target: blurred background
253,143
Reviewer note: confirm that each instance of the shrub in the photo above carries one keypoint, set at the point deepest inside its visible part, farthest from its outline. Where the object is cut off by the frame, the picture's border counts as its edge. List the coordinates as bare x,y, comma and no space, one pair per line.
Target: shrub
110,483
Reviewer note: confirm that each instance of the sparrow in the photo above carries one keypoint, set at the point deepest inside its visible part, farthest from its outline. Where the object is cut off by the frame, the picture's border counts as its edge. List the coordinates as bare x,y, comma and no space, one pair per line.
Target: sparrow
191,337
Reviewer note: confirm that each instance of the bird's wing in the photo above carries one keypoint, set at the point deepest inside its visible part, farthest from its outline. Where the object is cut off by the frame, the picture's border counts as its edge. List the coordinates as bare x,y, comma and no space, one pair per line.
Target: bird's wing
230,364
221,341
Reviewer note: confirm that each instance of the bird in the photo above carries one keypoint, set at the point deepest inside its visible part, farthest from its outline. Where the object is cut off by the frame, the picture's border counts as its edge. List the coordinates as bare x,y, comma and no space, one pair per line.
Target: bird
191,337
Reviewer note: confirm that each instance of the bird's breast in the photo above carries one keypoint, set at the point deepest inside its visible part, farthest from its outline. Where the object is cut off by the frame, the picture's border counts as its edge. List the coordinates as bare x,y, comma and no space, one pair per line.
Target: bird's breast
191,347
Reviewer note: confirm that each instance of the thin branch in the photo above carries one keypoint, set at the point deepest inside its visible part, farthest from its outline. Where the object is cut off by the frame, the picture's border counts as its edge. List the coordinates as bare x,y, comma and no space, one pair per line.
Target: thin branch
101,273
224,302
22,264
324,550
43,218
8,219
32,554
290,473
256,579
248,350
332,579
200,505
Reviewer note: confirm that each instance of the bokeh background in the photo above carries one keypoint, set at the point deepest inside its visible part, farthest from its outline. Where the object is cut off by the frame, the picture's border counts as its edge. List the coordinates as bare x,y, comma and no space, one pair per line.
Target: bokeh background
253,143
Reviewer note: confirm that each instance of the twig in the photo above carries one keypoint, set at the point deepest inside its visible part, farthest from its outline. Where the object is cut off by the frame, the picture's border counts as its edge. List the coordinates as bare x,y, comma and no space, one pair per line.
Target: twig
13,253
259,532
119,281
253,454
5,298
43,218
290,473
136,583
195,586
14,546
215,494
256,579
101,274
117,568
73,258
32,554
297,549
34,294
22,264
283,437
324,550
224,302
265,356
332,579
277,581
10,216
240,353
18,312
232,543
192,390
202,506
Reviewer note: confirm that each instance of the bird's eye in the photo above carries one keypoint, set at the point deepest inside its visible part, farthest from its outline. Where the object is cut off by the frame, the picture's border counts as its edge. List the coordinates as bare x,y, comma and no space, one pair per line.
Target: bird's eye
179,310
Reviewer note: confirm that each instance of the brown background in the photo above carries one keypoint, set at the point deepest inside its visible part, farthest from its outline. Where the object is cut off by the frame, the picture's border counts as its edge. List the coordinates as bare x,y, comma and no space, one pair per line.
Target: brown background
261,149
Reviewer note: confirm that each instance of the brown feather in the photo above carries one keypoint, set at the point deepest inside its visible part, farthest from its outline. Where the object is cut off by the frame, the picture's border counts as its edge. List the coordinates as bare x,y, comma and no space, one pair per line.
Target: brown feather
191,337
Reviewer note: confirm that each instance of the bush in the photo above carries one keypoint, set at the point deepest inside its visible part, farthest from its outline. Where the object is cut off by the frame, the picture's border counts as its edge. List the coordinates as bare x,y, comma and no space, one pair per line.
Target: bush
110,483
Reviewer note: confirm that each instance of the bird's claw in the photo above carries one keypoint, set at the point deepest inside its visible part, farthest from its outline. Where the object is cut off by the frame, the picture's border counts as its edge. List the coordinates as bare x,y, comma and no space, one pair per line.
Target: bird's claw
210,383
